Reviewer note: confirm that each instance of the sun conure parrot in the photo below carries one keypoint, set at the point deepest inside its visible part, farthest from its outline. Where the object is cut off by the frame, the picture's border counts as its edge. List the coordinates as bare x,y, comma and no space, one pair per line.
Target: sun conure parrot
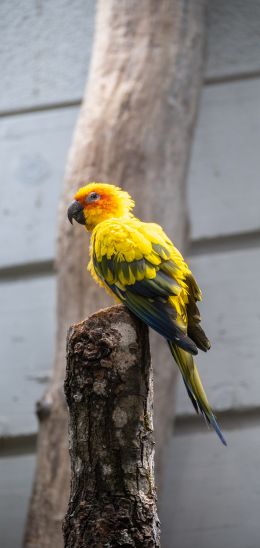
139,264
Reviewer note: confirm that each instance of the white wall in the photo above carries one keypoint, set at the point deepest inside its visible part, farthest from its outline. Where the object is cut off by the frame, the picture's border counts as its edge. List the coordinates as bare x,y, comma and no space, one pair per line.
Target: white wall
210,492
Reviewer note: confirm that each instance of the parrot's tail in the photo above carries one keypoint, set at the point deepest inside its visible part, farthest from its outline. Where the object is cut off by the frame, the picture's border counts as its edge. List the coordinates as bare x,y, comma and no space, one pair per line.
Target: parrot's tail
194,386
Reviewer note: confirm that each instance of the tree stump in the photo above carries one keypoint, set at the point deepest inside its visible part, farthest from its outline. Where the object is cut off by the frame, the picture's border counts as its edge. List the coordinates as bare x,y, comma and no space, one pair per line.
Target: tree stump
109,391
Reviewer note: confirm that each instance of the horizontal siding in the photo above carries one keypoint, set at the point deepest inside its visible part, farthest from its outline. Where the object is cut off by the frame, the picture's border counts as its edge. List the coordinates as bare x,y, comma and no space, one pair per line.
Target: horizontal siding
27,320
52,43
233,37
45,51
33,150
230,370
33,154
16,474
212,494
224,189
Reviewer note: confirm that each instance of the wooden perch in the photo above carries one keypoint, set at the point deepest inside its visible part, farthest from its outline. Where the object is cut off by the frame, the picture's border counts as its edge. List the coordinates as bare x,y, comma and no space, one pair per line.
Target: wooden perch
109,392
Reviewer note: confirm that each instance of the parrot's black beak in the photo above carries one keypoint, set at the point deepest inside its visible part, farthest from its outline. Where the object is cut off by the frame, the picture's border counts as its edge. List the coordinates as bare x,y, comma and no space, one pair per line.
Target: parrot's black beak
75,211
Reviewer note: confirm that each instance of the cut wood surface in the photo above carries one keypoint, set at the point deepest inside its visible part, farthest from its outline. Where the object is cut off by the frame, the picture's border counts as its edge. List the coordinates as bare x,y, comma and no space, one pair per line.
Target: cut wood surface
135,128
109,391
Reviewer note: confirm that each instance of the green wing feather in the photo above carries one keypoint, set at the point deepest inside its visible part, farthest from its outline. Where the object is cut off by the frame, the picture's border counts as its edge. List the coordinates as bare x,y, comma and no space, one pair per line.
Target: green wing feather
158,287
145,286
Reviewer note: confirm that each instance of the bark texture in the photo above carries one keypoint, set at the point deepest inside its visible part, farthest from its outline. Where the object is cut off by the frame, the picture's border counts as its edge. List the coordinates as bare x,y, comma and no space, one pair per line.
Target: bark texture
135,130
109,392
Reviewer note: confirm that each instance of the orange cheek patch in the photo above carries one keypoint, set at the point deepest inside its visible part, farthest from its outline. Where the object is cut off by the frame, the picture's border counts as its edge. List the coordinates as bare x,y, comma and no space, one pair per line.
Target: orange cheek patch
96,212
105,204
109,205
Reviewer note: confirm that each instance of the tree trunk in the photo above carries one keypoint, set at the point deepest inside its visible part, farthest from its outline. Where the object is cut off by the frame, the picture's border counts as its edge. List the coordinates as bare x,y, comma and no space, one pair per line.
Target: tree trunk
109,392
135,130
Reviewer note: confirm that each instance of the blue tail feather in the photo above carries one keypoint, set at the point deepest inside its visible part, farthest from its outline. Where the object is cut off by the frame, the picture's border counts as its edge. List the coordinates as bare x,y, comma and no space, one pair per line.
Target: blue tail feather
217,429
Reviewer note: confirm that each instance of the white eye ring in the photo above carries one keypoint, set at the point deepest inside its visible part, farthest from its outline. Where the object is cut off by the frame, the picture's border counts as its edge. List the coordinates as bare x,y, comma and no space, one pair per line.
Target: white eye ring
92,197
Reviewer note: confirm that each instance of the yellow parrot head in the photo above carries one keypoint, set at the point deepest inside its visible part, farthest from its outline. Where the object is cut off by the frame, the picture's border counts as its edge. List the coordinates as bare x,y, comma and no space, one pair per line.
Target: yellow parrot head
96,202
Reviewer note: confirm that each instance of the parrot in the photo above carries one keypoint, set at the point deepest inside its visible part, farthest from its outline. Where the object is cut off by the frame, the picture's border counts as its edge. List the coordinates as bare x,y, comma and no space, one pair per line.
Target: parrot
139,265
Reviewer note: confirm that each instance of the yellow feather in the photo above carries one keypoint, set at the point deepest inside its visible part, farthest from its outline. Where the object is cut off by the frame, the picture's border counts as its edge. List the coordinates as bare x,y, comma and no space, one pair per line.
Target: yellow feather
124,251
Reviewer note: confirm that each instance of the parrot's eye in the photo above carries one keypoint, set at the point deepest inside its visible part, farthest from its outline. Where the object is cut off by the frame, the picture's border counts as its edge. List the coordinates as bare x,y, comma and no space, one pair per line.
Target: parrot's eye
92,197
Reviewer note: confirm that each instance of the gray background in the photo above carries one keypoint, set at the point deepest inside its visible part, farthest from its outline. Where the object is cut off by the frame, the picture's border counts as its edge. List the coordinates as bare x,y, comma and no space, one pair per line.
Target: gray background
211,495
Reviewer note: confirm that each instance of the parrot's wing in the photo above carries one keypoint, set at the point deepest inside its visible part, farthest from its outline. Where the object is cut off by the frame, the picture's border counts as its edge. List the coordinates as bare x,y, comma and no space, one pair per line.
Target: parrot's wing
194,329
146,277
